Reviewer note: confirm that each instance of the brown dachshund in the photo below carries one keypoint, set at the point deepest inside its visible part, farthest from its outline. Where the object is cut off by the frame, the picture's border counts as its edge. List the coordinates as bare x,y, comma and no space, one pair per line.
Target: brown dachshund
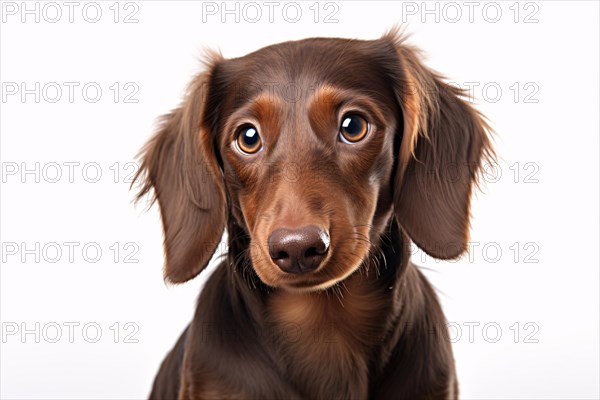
323,158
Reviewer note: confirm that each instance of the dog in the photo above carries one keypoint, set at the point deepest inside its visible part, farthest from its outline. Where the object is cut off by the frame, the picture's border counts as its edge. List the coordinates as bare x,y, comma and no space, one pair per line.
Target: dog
324,160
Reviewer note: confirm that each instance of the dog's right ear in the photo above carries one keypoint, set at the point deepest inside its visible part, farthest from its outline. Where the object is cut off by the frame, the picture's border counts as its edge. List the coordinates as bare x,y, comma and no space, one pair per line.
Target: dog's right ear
180,164
445,143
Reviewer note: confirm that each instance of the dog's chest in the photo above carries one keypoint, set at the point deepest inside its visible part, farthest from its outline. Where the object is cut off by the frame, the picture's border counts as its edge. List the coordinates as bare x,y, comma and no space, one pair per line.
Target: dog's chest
330,337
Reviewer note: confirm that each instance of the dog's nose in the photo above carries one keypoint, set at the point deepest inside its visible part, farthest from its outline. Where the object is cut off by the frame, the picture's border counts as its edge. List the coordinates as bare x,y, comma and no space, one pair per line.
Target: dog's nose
298,250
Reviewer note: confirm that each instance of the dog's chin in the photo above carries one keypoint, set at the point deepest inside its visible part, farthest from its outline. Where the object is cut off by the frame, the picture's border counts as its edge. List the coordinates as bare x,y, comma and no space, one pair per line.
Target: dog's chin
308,287
311,282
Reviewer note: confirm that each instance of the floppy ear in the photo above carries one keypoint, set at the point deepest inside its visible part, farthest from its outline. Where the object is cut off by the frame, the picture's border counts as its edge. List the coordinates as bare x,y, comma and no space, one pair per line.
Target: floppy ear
444,144
180,165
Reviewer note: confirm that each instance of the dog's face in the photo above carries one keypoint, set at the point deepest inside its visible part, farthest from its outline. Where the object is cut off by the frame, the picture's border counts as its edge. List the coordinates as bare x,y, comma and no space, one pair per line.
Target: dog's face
312,146
307,150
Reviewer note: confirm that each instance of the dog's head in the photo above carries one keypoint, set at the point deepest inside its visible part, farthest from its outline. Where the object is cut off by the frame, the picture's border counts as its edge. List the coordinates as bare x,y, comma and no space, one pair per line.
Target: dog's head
311,147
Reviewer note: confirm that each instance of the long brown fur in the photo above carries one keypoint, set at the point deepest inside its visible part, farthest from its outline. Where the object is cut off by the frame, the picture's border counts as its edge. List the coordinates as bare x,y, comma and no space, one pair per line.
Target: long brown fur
366,324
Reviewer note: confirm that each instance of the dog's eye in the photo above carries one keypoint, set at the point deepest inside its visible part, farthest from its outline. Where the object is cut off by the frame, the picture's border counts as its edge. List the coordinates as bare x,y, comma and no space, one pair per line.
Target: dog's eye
248,140
353,129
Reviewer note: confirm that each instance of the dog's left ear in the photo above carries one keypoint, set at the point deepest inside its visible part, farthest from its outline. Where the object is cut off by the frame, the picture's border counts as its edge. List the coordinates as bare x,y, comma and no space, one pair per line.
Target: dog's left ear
180,164
444,144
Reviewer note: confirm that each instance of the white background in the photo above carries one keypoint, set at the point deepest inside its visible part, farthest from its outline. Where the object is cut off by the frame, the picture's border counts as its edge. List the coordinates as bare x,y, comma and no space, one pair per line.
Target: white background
541,213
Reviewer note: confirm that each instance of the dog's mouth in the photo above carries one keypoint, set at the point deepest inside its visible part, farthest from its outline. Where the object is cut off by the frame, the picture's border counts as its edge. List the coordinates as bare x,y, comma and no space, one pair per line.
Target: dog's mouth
316,284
